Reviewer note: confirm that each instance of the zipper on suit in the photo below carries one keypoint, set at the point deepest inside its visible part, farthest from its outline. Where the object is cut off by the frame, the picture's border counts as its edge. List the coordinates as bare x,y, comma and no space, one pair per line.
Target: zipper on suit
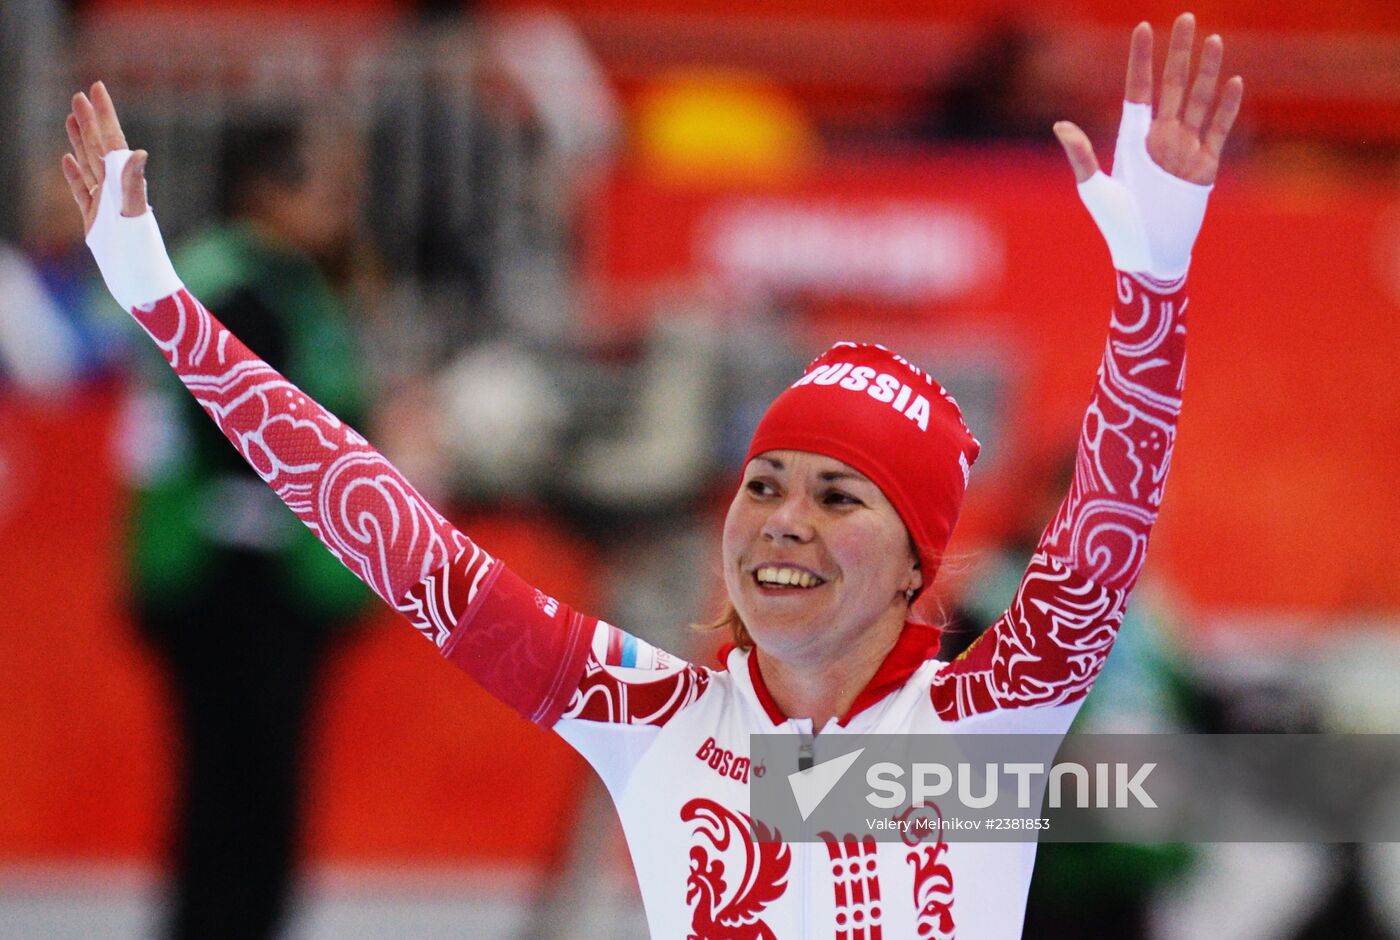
806,757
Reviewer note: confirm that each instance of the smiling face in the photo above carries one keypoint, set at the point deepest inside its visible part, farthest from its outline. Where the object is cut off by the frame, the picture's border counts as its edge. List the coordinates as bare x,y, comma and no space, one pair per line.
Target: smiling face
815,557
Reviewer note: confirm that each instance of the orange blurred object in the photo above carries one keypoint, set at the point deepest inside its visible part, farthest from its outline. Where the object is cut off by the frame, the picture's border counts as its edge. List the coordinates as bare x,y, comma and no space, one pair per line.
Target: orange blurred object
721,127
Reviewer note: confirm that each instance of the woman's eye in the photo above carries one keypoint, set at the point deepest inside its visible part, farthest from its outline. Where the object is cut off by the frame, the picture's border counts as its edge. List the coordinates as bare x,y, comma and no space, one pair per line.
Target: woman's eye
838,498
759,488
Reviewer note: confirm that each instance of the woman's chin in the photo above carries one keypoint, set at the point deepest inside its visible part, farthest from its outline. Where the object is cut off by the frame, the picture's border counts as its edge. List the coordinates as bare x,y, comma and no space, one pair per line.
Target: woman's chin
780,623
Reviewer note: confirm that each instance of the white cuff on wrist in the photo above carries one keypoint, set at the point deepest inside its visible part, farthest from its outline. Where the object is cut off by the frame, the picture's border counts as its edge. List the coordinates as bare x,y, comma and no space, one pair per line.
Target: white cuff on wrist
1149,217
130,252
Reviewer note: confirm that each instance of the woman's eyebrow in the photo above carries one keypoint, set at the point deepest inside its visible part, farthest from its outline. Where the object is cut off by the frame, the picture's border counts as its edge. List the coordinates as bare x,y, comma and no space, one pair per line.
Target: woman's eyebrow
832,476
826,476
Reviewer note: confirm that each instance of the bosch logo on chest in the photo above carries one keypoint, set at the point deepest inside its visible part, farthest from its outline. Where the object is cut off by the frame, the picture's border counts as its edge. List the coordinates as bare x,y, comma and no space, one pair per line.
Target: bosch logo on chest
723,761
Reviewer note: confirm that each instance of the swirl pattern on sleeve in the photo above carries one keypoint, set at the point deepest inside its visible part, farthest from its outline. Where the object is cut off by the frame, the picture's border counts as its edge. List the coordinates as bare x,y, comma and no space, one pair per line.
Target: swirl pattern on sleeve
1048,648
1126,443
359,506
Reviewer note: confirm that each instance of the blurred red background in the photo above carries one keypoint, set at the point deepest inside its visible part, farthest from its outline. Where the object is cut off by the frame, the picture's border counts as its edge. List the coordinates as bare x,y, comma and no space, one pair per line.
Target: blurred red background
1283,495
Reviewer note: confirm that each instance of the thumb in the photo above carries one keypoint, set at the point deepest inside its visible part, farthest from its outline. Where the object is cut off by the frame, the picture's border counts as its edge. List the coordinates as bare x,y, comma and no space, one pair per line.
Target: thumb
1078,149
134,185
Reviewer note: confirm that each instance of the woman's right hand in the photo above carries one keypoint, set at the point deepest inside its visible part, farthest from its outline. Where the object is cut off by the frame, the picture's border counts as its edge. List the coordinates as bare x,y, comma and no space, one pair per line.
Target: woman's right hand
94,131
1178,140
1164,164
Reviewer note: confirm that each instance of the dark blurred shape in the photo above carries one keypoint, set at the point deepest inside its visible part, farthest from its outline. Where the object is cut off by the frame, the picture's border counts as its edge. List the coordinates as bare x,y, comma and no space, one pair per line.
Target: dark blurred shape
998,93
1351,910
30,34
256,159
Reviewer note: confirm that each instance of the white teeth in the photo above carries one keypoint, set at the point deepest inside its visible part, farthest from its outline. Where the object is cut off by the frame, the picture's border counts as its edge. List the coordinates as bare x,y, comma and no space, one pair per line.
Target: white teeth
786,577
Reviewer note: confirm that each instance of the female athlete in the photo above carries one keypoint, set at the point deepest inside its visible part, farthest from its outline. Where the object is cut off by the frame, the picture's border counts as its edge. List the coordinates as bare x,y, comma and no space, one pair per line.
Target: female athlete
849,493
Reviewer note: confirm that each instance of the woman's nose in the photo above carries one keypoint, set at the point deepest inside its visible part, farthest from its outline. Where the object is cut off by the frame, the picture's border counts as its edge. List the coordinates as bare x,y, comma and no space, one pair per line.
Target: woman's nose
790,520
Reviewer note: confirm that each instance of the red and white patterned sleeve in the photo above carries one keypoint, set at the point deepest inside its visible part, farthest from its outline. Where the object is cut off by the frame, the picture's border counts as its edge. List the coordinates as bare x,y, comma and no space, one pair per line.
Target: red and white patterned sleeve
524,647
1048,648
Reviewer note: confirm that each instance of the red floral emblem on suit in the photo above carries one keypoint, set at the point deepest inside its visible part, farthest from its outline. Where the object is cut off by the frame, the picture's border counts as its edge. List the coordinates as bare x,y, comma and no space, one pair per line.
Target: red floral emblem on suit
736,870
933,879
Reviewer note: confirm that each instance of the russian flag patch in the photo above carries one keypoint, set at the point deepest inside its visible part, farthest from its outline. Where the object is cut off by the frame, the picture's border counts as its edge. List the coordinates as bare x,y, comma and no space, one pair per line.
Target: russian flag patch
619,649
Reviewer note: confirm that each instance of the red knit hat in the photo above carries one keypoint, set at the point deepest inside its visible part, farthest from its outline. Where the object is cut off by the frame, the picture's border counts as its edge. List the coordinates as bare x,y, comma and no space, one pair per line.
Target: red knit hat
880,413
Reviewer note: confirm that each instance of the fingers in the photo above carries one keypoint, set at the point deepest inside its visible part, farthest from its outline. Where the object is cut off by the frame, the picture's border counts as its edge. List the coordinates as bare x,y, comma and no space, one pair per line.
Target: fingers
109,128
1078,149
94,131
1203,90
89,137
99,131
1225,113
1177,70
77,185
75,139
134,185
1138,88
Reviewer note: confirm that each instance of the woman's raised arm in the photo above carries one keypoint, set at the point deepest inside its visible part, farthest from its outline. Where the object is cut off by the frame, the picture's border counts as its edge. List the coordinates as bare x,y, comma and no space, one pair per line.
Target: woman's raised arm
1150,211
525,648
1049,646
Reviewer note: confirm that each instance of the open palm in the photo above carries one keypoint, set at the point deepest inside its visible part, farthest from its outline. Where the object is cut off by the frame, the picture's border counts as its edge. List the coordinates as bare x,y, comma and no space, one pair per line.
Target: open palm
94,131
1188,129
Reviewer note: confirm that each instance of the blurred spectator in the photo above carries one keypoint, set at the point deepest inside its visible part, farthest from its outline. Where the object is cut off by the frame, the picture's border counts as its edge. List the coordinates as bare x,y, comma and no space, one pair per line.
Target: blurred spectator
38,349
239,599
545,59
1300,891
481,149
54,327
437,164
